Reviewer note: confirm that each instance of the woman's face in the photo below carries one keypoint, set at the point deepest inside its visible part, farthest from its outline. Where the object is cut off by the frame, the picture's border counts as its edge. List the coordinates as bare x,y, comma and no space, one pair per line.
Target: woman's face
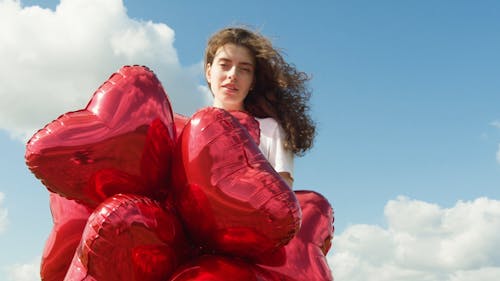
231,76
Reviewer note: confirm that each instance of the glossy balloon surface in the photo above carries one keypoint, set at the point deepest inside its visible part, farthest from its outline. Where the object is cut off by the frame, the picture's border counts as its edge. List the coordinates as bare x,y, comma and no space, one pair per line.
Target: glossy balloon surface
160,196
179,122
248,122
69,219
129,237
304,258
218,268
121,141
228,195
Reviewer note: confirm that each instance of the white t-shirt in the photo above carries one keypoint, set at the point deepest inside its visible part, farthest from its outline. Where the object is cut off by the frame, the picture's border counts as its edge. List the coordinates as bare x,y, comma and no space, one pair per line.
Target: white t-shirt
272,145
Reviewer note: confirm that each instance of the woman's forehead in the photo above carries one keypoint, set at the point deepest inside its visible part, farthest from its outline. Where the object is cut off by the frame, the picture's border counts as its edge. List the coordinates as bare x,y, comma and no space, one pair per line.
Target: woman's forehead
234,52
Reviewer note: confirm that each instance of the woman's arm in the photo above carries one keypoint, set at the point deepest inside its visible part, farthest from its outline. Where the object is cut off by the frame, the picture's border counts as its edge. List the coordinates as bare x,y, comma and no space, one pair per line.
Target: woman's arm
287,177
272,146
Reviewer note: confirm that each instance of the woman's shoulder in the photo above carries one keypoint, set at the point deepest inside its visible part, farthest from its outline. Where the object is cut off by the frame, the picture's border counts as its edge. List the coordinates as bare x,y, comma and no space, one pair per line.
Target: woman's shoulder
270,128
267,124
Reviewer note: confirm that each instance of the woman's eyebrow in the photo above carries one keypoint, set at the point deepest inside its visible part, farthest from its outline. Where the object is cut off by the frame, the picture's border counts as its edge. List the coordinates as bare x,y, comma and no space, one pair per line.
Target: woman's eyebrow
247,63
223,59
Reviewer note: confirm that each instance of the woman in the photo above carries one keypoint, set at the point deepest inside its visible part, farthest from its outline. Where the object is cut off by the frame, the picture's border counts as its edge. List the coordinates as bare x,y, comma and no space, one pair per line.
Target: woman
245,72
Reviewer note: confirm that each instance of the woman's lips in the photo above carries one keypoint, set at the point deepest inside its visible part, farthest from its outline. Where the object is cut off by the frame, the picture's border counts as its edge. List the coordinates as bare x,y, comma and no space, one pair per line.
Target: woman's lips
230,88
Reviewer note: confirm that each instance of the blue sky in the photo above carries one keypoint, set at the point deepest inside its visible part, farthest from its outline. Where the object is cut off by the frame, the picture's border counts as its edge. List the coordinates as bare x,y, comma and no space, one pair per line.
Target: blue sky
406,95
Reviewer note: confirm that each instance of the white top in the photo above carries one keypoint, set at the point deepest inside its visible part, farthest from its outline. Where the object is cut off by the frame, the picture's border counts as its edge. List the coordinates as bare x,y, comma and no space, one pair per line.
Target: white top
272,145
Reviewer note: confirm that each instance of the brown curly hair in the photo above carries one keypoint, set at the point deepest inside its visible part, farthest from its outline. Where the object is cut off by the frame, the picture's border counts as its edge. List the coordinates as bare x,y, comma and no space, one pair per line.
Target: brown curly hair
280,90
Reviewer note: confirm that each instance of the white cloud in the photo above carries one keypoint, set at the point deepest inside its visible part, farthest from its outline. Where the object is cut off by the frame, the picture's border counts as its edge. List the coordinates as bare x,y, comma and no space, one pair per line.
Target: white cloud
24,272
3,214
495,124
53,60
483,274
423,241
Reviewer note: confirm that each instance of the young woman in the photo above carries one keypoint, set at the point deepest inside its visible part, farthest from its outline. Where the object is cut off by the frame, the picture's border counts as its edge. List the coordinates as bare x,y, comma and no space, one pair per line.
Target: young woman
245,72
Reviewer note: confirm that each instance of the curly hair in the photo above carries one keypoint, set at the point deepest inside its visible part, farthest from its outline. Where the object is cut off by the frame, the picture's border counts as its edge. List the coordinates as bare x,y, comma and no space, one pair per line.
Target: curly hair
280,90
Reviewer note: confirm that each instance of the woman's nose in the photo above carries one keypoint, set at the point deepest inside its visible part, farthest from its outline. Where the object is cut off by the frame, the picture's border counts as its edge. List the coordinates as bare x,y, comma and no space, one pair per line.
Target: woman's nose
231,73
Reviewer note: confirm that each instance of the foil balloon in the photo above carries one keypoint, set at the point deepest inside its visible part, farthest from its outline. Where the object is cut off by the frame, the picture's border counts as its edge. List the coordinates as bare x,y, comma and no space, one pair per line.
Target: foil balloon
140,193
129,237
179,122
69,219
249,123
219,268
121,142
245,119
304,258
229,197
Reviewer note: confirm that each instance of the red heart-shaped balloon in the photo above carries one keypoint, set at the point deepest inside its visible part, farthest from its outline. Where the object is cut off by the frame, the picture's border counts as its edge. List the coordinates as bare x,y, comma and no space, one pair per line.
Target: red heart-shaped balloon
121,142
229,197
130,237
249,123
245,119
219,268
69,219
304,258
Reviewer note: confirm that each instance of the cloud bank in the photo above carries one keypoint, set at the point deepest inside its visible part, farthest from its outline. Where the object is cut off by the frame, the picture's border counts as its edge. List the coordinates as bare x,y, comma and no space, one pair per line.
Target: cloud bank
24,272
53,60
3,214
423,241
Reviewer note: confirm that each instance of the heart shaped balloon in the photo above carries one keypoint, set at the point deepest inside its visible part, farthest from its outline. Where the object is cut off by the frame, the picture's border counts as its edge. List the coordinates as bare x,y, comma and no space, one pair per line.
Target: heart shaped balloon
230,200
219,268
179,122
304,258
245,119
248,122
121,142
69,219
229,197
130,237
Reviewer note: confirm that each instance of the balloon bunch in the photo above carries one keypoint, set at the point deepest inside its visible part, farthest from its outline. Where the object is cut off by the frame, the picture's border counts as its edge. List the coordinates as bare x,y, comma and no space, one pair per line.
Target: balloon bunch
138,192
